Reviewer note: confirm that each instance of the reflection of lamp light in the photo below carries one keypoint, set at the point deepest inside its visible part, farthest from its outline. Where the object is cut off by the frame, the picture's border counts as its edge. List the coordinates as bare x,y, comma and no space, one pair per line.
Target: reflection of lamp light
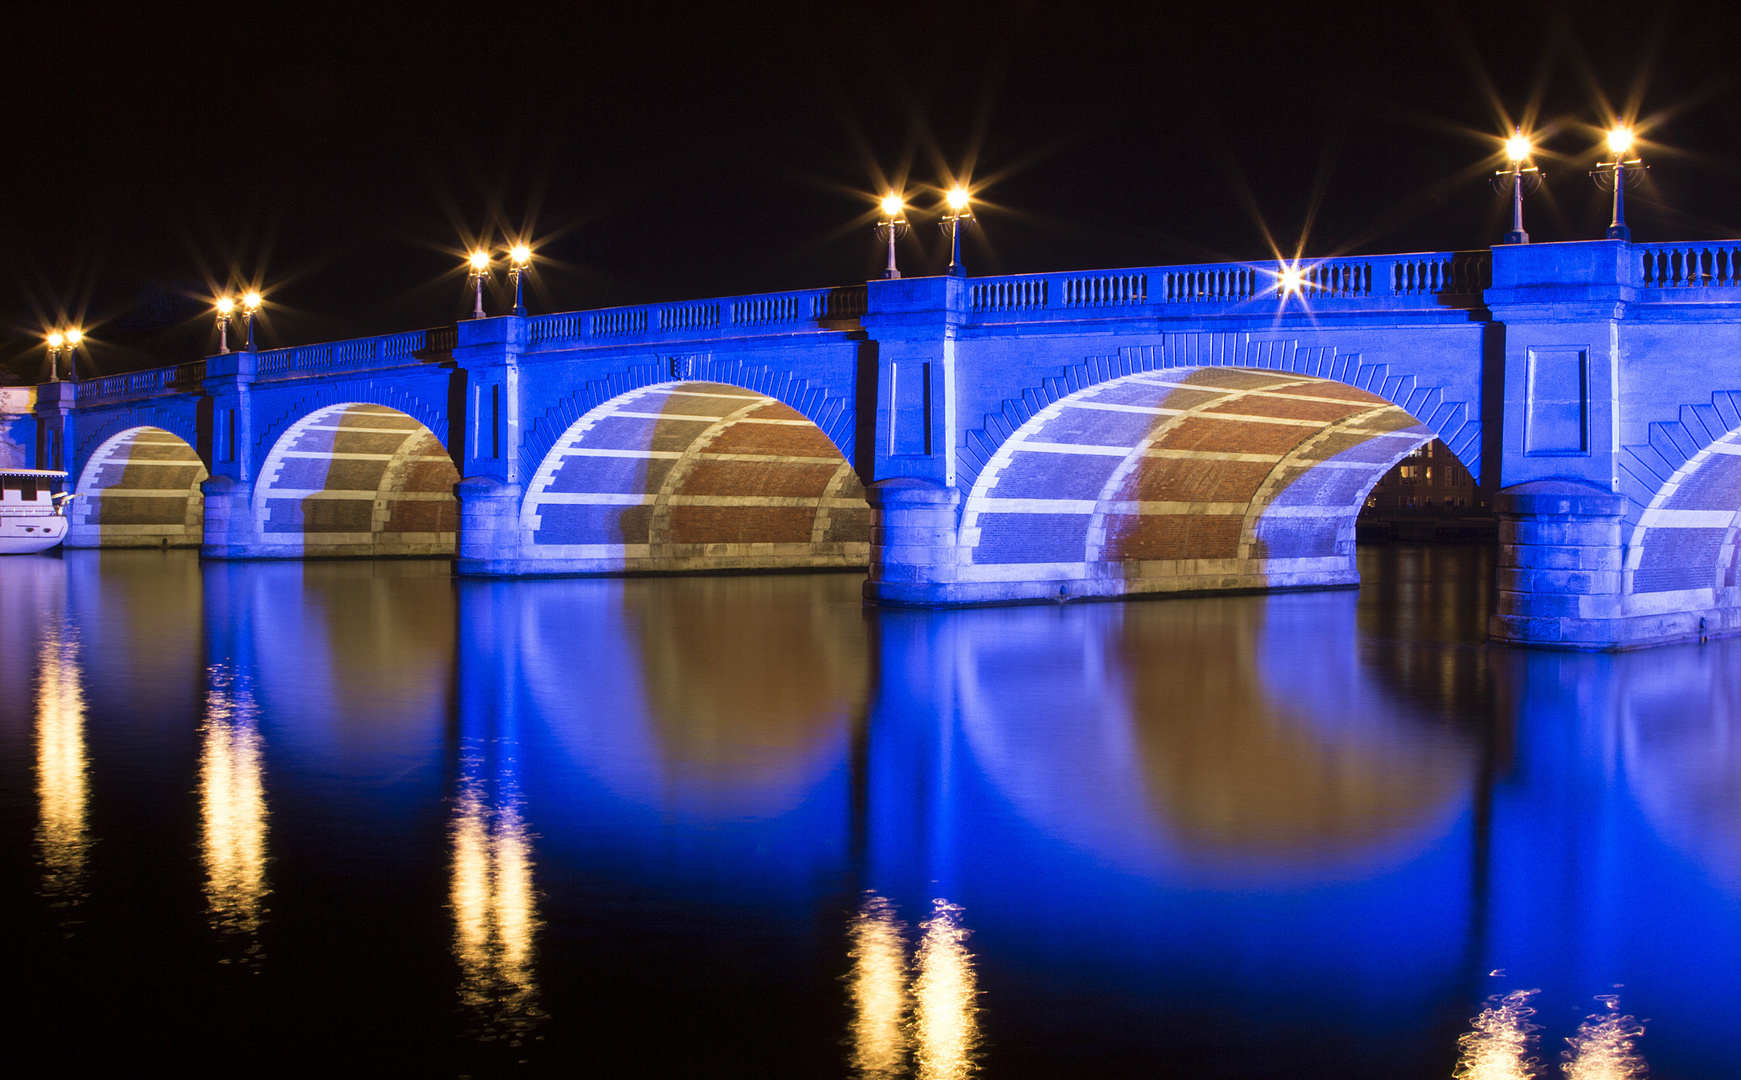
232,807
493,911
1291,279
945,997
878,988
960,217
62,783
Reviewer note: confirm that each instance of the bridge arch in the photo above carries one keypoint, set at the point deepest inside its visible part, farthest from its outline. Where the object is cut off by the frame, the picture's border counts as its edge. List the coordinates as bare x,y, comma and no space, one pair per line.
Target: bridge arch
690,475
1182,479
356,478
139,488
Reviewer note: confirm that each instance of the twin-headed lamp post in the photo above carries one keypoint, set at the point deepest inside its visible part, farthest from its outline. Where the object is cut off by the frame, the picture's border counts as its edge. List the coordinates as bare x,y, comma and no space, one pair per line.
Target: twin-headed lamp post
59,341
893,226
225,309
478,267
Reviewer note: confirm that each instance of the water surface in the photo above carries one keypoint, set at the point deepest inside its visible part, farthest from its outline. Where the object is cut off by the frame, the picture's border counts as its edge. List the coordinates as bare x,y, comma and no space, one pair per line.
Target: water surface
359,818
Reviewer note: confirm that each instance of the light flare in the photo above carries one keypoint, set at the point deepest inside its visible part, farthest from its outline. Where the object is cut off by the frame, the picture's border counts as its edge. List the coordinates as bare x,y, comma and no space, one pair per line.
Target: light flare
74,336
957,198
1518,148
480,261
54,340
892,205
251,302
226,305
1621,140
1290,280
521,254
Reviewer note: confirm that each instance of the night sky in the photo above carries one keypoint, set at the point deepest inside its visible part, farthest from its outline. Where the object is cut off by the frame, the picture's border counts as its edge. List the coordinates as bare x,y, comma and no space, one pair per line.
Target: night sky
342,156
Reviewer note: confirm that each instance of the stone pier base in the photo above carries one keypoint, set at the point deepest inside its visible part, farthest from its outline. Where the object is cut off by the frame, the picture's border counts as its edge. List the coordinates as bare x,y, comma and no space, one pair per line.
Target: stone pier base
1562,576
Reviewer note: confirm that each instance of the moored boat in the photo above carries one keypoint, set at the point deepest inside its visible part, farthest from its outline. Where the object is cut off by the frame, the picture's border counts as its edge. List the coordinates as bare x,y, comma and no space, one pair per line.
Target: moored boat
32,512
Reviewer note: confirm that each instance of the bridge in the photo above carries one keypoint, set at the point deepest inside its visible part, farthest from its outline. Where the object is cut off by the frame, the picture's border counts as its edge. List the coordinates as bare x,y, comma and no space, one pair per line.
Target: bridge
987,440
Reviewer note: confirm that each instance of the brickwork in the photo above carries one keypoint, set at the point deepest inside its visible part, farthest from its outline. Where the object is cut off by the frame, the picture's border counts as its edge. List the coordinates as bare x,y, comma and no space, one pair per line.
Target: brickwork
693,476
139,489
357,480
1178,480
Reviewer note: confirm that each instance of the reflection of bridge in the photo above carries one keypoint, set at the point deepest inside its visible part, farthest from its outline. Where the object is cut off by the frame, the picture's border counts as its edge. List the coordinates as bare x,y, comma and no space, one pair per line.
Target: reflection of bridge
1015,438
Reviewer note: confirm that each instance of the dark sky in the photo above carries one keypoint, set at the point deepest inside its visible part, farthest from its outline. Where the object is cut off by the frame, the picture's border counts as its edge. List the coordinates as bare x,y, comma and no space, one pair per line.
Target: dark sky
341,155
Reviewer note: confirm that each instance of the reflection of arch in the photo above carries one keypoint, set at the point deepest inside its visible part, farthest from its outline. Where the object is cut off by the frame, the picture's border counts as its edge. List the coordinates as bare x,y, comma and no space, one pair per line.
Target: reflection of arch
357,479
1681,737
1188,478
1229,738
694,476
140,488
724,698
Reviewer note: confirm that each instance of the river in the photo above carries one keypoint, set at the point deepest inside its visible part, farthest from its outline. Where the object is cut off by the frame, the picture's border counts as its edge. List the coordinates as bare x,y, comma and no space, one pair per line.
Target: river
357,818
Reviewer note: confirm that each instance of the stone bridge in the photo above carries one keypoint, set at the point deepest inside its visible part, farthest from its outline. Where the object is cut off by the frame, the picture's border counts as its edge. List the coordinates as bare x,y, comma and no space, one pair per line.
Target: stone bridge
988,440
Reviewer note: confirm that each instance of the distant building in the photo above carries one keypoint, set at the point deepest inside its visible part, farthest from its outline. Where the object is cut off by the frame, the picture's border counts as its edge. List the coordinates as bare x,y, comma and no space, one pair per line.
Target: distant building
1429,495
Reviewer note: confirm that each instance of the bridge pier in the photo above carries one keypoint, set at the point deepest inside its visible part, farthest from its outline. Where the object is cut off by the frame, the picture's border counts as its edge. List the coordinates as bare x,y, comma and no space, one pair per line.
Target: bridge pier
489,528
914,542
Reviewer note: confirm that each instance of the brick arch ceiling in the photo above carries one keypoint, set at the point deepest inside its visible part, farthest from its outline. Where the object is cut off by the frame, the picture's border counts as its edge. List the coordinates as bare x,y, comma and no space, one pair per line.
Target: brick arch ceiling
1187,464
1686,537
325,473
681,466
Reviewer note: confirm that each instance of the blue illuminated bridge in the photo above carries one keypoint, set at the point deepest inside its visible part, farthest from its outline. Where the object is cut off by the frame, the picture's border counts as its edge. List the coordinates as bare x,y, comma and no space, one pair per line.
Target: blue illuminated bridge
985,440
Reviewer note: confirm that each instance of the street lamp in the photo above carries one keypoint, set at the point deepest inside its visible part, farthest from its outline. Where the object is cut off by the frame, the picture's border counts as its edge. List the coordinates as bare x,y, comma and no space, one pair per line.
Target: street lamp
250,308
960,217
73,337
226,306
1521,179
519,259
480,269
892,227
54,341
1618,175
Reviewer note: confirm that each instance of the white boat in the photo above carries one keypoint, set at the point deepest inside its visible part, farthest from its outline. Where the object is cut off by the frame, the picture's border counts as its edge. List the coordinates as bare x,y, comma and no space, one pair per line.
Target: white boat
32,512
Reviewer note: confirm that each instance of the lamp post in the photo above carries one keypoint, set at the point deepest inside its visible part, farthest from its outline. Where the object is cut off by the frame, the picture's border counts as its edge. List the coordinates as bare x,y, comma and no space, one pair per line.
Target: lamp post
54,340
892,228
519,259
250,308
1618,175
960,217
1521,179
480,269
73,337
226,306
